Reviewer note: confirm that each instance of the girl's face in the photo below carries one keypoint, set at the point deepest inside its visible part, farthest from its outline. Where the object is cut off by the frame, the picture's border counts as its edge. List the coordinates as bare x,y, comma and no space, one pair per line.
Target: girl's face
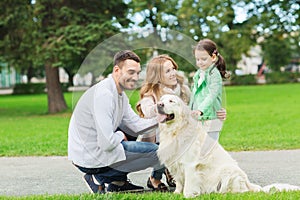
203,59
169,74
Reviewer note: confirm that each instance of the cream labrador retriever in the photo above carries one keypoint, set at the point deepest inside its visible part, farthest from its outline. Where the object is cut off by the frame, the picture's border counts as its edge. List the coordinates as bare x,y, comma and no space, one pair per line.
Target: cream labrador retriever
181,141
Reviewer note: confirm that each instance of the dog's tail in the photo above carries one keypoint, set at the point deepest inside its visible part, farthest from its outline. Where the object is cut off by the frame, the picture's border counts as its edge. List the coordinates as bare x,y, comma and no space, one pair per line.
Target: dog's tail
278,187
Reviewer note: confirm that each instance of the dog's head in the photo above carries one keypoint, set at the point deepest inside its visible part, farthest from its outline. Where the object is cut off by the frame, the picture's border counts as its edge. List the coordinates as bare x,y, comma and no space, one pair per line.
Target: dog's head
178,129
171,108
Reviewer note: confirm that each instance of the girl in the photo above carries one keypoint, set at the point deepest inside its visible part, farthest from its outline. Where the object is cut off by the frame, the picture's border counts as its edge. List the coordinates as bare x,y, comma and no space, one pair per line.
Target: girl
206,98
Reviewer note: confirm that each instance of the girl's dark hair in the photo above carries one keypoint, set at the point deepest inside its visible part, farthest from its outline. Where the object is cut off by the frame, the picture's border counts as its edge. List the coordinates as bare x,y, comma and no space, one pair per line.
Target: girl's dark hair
211,48
121,56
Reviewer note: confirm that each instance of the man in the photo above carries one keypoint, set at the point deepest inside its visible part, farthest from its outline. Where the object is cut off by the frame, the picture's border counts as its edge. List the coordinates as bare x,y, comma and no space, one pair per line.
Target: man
97,144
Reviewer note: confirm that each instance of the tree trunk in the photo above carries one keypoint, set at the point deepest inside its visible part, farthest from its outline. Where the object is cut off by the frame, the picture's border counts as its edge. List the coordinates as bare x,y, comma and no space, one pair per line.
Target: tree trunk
30,73
71,76
56,100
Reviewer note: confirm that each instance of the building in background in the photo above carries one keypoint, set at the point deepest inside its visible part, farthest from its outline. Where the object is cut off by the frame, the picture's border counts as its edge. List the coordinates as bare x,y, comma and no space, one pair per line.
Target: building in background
9,76
249,63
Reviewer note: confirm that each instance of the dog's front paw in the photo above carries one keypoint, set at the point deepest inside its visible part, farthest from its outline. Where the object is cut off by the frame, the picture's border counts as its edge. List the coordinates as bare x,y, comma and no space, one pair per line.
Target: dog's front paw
177,192
191,195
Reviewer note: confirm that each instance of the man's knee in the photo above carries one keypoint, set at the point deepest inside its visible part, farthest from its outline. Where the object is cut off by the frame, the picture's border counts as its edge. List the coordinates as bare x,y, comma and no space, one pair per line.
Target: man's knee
139,147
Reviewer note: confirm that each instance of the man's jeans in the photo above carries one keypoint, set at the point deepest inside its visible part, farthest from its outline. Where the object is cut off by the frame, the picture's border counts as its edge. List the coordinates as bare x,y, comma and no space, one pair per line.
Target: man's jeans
139,156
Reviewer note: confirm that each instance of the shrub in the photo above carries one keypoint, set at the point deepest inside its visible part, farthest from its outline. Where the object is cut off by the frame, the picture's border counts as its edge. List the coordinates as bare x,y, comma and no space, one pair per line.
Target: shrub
243,80
35,88
29,88
282,77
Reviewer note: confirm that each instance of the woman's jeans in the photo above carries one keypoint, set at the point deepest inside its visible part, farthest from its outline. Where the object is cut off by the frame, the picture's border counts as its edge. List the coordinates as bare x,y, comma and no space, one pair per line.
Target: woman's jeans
139,156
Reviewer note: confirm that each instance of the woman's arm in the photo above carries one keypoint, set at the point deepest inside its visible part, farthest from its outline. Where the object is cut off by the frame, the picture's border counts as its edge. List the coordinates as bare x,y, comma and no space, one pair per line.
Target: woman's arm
148,107
221,114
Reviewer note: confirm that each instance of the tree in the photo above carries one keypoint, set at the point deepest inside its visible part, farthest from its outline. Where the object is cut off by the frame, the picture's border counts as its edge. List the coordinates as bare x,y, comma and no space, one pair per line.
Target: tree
16,46
56,34
156,15
277,52
234,25
198,19
217,20
277,22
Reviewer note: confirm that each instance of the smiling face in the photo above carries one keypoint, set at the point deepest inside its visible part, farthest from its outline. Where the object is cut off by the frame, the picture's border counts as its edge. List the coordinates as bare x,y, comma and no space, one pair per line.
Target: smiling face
169,74
127,75
204,60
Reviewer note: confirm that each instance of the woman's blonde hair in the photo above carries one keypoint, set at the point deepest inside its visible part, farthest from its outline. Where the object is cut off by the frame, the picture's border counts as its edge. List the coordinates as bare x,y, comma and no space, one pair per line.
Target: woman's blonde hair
152,86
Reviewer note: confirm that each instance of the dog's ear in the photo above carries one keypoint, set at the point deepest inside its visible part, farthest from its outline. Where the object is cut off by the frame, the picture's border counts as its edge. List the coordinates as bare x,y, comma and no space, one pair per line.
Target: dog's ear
183,110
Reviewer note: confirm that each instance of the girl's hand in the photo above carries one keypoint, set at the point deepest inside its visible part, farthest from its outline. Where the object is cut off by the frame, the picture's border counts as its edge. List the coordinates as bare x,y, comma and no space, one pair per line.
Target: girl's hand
196,114
221,114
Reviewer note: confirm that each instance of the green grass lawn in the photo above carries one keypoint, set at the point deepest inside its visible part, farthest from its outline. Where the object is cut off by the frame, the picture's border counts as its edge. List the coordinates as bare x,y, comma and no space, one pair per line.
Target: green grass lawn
26,129
164,196
262,117
259,118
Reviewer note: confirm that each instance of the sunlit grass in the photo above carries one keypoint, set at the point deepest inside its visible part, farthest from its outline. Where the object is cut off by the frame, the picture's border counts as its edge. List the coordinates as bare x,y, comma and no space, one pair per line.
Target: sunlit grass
259,118
164,196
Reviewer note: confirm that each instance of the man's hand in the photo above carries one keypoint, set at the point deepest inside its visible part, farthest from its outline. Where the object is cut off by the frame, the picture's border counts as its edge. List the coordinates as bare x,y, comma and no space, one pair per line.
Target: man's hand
125,138
221,114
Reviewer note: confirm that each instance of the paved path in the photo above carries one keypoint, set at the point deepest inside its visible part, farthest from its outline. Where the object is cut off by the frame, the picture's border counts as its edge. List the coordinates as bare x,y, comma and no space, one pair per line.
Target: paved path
56,175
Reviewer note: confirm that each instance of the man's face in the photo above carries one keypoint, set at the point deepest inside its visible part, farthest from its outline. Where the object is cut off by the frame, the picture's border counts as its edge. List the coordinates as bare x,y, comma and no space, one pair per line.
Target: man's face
129,75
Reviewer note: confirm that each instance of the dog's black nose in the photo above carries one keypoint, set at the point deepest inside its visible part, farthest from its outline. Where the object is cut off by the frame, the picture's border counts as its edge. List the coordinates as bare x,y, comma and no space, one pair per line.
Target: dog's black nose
160,104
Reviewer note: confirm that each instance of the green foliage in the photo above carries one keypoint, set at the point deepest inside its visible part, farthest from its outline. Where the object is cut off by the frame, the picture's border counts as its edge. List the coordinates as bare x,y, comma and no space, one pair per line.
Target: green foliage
34,88
277,52
243,80
216,20
30,88
45,33
158,14
16,38
219,20
271,78
282,77
68,32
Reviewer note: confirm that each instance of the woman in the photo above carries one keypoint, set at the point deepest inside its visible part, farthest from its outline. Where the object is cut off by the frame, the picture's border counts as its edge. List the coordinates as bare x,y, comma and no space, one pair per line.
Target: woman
161,78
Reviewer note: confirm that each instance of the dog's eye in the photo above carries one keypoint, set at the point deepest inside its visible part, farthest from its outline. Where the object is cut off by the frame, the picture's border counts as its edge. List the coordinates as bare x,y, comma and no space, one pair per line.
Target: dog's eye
171,101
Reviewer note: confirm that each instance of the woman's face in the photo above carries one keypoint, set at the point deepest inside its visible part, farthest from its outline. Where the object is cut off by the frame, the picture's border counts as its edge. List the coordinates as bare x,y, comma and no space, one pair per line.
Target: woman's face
203,59
169,74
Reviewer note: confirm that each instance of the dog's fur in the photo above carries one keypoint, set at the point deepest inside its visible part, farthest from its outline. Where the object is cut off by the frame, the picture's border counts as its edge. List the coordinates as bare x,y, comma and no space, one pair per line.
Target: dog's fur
181,140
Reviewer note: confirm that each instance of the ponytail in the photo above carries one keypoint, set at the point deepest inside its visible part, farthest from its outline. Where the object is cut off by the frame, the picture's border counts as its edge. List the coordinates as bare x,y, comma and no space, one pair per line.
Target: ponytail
221,65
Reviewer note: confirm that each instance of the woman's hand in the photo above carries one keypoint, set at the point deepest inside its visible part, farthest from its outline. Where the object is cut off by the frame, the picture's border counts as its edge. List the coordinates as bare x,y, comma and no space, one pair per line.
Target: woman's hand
221,114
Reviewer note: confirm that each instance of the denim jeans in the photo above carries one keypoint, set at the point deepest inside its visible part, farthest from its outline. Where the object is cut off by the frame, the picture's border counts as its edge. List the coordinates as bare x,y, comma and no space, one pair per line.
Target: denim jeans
139,156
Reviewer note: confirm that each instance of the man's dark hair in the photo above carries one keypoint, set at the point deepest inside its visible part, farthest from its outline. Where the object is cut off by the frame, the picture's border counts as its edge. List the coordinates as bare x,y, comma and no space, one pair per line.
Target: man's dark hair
121,56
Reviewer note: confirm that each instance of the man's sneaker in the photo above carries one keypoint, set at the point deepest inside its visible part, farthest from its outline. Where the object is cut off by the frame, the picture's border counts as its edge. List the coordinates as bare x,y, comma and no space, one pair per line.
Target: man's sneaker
93,187
127,187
